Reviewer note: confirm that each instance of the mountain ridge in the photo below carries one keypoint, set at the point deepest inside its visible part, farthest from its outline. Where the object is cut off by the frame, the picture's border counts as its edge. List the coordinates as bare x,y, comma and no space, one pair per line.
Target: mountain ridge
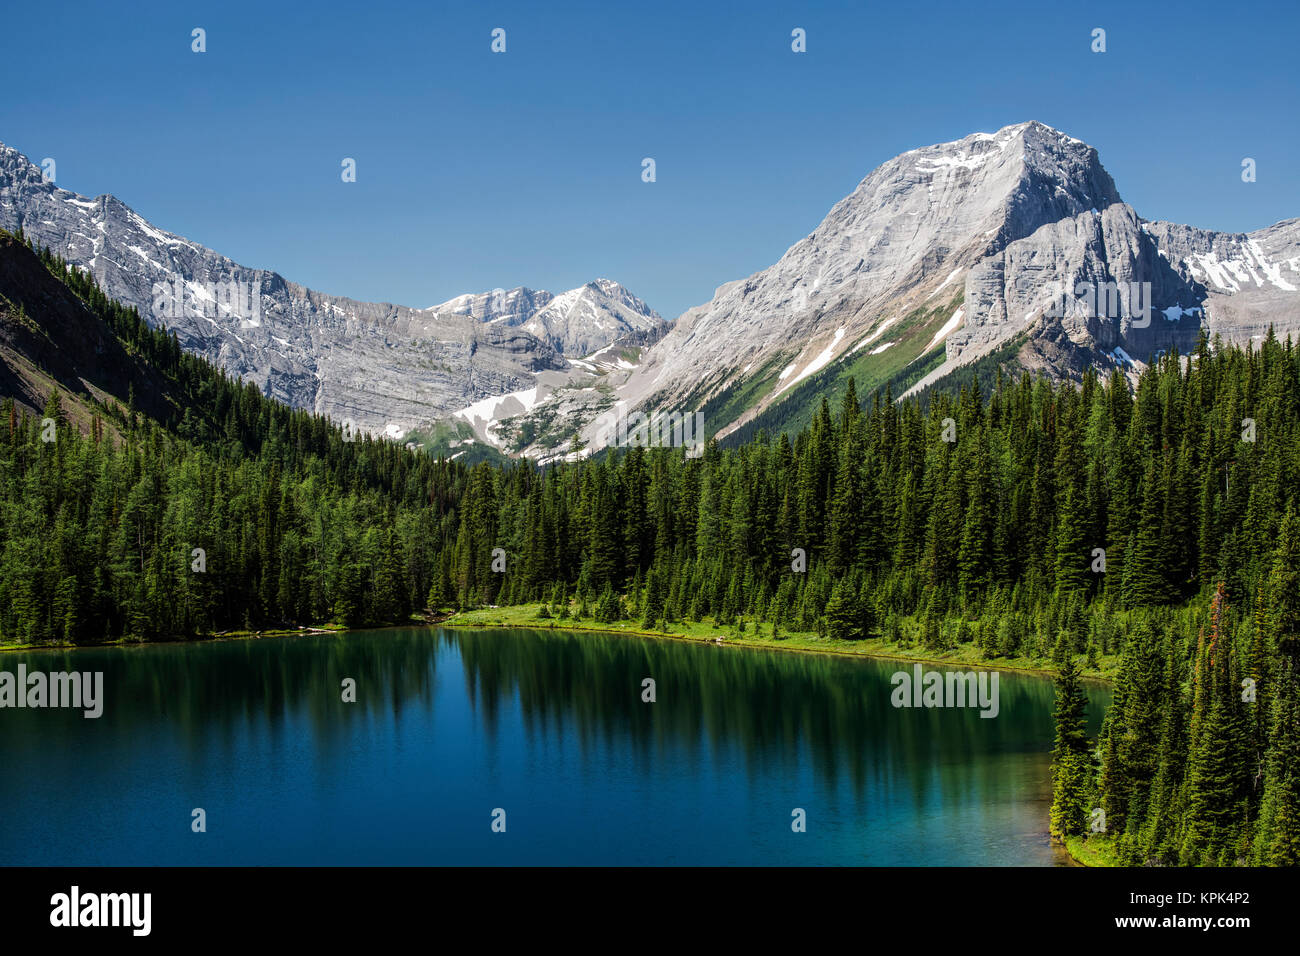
937,259
378,366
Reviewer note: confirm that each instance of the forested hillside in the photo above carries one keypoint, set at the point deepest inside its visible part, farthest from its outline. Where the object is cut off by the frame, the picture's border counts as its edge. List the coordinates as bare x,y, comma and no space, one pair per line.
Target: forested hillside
1158,524
99,524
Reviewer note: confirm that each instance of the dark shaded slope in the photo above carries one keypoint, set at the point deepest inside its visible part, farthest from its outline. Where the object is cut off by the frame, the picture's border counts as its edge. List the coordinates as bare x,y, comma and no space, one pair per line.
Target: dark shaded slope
50,339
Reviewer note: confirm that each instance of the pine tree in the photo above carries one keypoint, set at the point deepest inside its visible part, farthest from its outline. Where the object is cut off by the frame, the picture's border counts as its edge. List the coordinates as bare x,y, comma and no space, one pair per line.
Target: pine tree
653,610
843,613
1071,760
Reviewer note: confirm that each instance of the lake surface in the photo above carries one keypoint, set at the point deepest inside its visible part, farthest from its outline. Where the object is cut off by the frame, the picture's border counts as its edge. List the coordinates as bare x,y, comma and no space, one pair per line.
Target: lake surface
550,727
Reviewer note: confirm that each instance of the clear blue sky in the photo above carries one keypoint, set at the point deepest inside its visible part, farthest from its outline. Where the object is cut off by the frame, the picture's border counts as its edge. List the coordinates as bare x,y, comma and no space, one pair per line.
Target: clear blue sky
478,170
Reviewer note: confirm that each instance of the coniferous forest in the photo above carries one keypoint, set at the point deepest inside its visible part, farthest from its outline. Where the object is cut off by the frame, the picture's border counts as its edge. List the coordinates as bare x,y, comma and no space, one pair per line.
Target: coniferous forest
1156,527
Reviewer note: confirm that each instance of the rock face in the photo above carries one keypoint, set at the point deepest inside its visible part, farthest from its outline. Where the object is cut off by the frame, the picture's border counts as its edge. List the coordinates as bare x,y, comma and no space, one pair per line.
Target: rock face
1028,226
577,323
382,367
513,307
1076,278
1251,280
911,227
1231,285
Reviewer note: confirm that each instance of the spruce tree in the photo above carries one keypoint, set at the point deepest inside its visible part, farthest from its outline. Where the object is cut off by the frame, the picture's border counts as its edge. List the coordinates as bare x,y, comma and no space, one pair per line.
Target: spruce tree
1071,760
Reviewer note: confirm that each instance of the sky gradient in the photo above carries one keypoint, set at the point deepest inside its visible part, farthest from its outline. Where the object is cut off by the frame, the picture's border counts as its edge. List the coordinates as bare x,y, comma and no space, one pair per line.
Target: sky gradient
478,170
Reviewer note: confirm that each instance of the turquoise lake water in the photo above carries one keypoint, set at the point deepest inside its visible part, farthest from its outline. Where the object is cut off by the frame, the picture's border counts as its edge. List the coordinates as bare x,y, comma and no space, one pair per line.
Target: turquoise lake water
550,727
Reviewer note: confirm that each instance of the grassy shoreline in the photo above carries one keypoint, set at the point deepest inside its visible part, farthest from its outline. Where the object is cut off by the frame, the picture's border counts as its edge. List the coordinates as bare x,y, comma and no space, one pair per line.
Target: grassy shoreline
526,615
1096,851
301,631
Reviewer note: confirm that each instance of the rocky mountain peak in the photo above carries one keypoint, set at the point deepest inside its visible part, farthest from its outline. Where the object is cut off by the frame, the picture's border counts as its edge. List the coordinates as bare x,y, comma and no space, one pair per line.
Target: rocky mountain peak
968,246
509,306
973,194
912,225
577,322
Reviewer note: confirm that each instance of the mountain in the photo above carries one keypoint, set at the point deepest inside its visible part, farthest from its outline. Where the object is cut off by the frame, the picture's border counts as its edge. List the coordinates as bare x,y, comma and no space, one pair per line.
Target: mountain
993,244
577,323
379,366
1011,249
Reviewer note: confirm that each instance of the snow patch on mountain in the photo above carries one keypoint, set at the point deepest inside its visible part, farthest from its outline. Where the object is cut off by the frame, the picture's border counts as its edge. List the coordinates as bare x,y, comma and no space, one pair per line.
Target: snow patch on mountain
948,328
487,414
816,365
880,330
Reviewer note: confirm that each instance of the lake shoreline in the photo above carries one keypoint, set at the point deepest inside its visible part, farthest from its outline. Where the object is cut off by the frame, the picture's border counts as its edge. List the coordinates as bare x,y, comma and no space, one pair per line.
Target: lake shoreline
301,630
206,639
874,648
